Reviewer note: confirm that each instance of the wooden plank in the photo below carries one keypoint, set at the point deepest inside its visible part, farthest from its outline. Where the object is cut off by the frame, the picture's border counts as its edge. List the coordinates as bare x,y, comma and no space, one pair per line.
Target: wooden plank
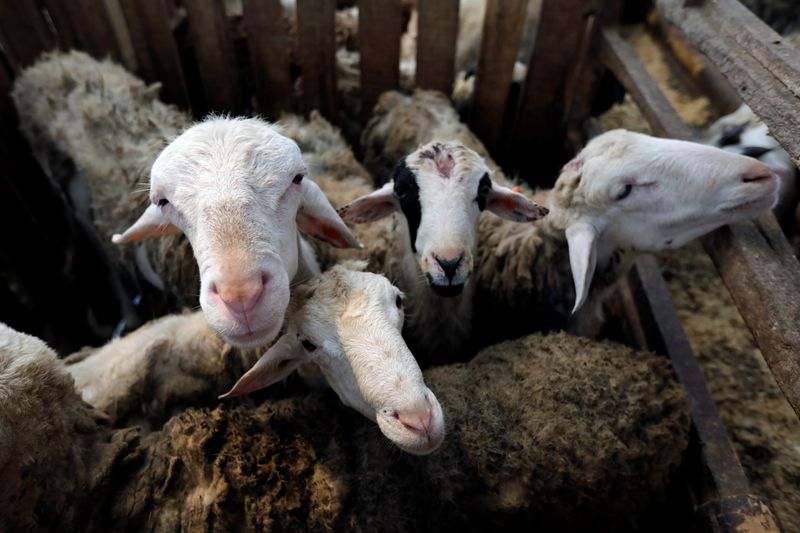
161,49
539,127
269,55
92,22
754,260
379,30
317,42
623,61
213,46
436,44
759,64
24,32
59,15
139,39
502,33
730,505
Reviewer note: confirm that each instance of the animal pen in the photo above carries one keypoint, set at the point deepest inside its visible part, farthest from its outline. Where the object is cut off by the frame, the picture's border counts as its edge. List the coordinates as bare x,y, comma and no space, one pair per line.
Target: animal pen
242,58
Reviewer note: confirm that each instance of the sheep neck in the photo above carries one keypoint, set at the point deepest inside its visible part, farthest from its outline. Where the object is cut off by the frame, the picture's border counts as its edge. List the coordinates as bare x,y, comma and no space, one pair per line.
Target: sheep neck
436,327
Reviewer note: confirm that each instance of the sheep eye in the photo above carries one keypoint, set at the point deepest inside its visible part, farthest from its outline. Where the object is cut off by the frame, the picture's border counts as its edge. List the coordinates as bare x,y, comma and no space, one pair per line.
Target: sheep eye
309,346
398,302
162,202
625,192
298,178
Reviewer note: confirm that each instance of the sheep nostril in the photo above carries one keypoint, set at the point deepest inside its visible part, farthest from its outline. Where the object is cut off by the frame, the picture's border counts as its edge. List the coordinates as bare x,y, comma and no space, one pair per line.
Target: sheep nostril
212,288
757,176
449,266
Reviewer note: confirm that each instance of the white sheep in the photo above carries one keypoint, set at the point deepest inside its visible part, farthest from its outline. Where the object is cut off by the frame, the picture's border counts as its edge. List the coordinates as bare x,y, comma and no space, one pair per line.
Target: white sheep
240,172
348,323
238,190
624,194
439,192
742,132
158,369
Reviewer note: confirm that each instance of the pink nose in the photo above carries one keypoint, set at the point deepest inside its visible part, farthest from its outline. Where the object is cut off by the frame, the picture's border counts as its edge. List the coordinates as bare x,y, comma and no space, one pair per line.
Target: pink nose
240,294
757,173
417,421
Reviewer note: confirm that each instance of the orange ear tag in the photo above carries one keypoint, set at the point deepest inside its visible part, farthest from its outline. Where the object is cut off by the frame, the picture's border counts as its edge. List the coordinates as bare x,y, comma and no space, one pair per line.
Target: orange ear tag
517,188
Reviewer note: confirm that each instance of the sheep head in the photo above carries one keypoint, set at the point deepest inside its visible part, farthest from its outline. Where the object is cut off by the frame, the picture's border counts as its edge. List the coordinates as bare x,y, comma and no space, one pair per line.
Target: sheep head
238,190
629,191
348,323
441,189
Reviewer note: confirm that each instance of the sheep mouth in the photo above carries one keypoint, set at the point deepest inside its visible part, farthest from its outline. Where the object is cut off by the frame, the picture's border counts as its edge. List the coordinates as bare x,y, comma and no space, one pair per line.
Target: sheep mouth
448,291
252,339
763,202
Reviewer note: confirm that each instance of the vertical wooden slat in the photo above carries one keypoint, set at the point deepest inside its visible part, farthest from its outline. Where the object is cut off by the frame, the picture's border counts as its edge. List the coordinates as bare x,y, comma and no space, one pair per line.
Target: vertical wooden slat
151,28
317,41
91,21
139,39
213,45
24,32
379,30
67,35
538,132
502,32
269,54
436,44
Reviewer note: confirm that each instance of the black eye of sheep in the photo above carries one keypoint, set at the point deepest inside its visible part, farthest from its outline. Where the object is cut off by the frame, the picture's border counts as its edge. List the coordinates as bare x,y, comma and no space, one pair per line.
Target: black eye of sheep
162,202
398,302
625,192
309,346
298,178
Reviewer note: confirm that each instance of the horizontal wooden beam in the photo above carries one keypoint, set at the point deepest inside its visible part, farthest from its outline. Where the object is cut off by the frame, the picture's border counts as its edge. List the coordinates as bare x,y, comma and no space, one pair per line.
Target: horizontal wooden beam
762,67
754,259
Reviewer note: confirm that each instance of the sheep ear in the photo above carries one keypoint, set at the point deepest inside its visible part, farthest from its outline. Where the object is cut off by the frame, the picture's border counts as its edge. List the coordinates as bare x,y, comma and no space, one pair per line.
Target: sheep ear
151,224
582,241
511,205
371,207
278,362
318,218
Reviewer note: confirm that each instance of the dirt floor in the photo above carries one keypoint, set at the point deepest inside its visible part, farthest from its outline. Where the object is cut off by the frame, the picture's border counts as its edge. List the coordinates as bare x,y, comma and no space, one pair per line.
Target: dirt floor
762,425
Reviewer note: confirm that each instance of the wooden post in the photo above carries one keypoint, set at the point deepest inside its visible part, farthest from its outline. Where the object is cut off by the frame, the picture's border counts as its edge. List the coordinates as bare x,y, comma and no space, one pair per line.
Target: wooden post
538,134
24,32
269,56
317,40
379,30
149,23
213,46
502,32
436,44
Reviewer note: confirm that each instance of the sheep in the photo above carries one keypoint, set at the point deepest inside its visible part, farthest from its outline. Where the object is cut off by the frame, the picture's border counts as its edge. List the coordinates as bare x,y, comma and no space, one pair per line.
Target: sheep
157,370
742,132
247,262
614,200
401,123
553,432
237,188
348,324
439,191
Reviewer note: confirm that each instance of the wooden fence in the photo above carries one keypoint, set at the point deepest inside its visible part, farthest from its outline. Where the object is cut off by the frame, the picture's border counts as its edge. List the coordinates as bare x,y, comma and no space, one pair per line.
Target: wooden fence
246,57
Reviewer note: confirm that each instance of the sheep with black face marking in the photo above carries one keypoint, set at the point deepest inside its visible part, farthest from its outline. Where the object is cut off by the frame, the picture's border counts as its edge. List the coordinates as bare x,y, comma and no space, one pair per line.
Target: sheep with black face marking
623,194
235,187
742,132
438,192
552,431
